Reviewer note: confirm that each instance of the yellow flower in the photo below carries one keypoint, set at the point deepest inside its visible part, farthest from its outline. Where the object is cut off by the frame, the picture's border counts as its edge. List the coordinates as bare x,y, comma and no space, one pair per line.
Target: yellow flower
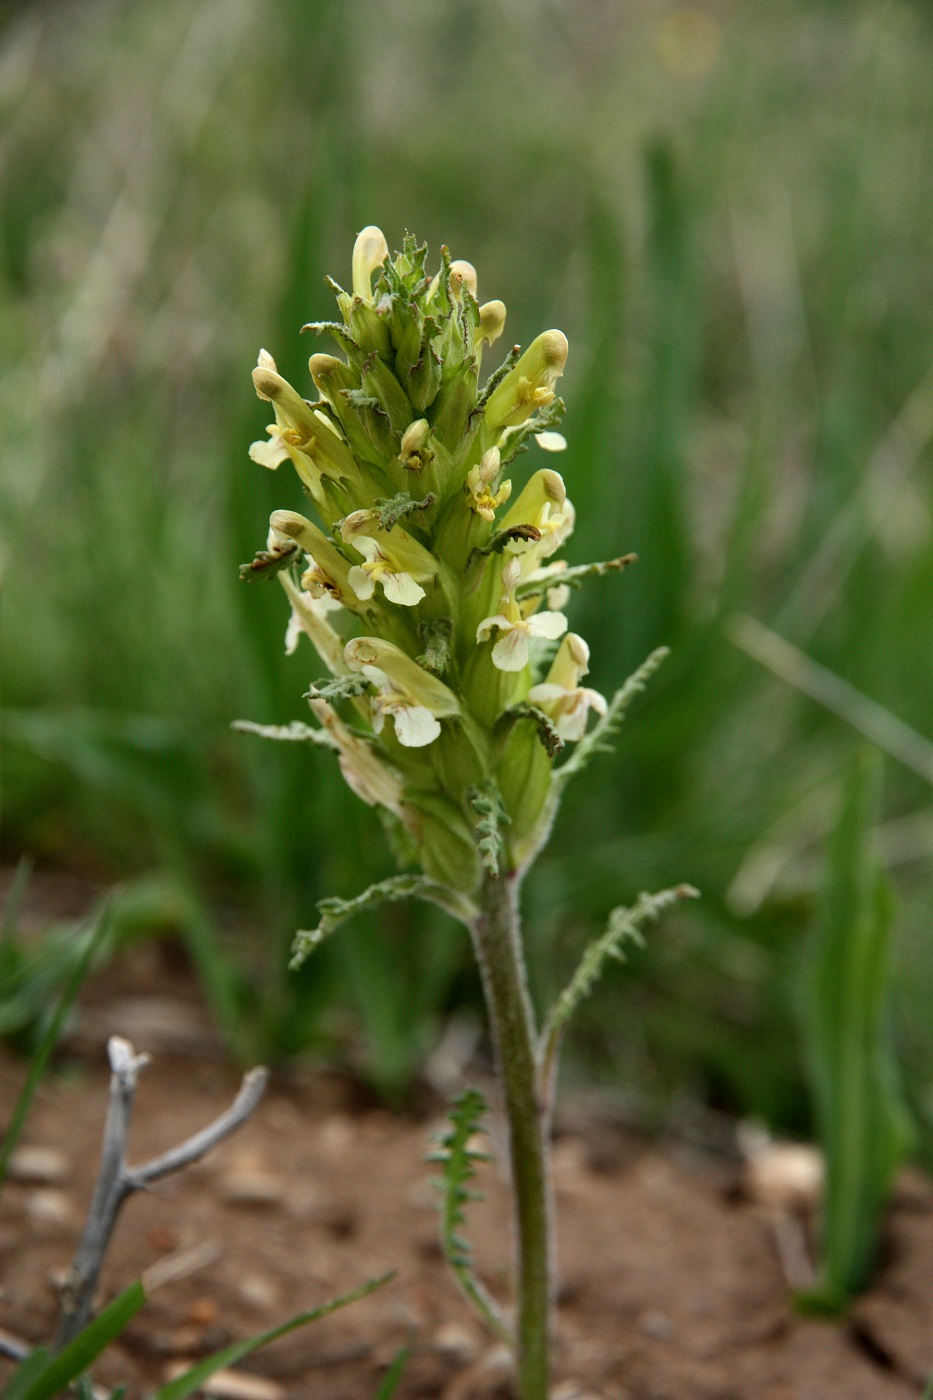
528,387
317,605
405,693
328,571
561,696
510,652
392,558
308,617
364,773
300,432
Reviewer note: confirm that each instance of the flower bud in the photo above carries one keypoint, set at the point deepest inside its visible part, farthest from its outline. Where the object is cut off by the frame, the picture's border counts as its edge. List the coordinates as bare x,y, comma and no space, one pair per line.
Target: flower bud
381,383
330,375
369,252
491,322
462,274
413,449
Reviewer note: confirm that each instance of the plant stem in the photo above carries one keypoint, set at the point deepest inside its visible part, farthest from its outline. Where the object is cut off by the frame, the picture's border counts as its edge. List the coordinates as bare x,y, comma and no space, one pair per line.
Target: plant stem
497,940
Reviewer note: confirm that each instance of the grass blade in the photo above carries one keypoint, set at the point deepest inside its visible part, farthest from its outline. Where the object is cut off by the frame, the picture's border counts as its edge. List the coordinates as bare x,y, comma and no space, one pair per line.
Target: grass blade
863,1124
75,1359
95,938
394,1374
193,1380
26,1372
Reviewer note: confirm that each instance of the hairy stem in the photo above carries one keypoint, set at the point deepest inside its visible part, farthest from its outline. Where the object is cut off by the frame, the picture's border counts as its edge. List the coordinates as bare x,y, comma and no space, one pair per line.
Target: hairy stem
497,940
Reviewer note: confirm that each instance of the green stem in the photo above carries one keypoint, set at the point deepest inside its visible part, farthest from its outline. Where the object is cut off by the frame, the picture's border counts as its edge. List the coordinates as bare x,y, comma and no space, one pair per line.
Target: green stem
498,945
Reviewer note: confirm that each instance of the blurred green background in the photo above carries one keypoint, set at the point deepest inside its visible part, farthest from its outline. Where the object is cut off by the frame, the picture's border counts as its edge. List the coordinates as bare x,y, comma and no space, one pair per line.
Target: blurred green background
729,210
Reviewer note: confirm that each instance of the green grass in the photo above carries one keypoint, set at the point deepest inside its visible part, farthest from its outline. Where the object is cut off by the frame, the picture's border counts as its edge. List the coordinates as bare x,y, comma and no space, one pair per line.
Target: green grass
742,261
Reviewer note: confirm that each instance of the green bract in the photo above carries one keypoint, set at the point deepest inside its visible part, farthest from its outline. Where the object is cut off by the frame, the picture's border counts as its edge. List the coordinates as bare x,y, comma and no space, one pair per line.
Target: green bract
427,582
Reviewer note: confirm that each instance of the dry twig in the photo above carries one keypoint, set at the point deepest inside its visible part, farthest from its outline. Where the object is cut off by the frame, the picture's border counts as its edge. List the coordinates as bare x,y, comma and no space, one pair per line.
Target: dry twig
116,1181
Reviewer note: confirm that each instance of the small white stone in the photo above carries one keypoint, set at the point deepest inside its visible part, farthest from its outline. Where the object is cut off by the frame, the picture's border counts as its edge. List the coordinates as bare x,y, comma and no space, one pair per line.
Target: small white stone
50,1207
785,1174
259,1292
455,1339
252,1189
657,1325
43,1166
230,1385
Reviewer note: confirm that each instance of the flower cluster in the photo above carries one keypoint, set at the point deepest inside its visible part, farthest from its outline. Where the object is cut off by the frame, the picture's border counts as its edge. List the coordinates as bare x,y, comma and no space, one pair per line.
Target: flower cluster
427,580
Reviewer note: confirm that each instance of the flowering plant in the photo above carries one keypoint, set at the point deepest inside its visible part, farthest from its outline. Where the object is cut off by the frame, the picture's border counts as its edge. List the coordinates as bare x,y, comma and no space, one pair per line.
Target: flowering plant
431,589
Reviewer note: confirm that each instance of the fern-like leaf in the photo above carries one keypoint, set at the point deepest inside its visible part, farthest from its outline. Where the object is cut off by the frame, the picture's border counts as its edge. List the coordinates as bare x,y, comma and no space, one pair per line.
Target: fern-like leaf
294,733
625,926
457,1160
335,911
538,583
491,816
547,731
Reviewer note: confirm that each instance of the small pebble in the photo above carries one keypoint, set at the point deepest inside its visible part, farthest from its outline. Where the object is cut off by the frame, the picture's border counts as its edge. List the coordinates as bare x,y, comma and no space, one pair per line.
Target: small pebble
40,1166
162,1239
655,1324
180,1342
335,1135
238,1385
252,1189
249,1182
202,1313
258,1292
304,1200
49,1207
785,1174
455,1340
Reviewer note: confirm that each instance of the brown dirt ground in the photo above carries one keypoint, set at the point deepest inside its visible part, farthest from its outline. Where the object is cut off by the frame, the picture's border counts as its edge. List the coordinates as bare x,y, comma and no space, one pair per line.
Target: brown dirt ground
671,1285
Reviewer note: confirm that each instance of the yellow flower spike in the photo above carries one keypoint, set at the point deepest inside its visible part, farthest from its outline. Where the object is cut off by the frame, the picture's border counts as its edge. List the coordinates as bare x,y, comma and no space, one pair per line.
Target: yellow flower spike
479,482
530,385
510,652
543,503
413,698
369,252
491,322
392,558
561,696
369,777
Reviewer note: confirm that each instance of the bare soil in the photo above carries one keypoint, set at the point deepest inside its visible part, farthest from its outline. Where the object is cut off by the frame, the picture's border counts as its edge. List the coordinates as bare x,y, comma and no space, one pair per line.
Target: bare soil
671,1288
